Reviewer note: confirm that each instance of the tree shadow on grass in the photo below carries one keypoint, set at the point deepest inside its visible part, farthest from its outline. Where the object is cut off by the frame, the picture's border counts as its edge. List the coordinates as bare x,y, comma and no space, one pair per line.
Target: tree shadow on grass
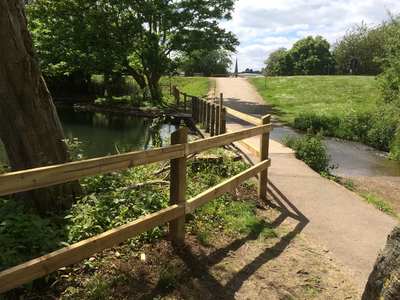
199,268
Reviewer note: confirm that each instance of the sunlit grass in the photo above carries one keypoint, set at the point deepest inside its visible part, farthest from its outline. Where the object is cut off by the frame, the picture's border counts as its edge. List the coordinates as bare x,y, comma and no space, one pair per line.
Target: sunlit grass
334,95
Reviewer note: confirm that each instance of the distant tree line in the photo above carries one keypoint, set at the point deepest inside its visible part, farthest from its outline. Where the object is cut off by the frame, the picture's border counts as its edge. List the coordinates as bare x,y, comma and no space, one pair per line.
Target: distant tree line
315,56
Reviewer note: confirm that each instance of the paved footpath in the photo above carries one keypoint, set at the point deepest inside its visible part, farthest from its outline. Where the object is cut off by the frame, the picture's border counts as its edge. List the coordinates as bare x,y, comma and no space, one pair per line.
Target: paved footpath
352,230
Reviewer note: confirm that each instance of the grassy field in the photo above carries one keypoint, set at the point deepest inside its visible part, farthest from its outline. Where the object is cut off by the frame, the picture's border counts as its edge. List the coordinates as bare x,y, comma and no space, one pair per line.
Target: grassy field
195,86
334,95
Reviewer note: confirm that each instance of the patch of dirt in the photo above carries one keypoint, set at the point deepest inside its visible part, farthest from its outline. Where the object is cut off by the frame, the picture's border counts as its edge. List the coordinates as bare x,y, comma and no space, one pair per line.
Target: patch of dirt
387,188
287,265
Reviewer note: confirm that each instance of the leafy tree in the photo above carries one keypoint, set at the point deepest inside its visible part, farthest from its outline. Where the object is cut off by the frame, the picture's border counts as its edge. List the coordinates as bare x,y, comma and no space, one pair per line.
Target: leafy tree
363,43
284,64
29,126
272,61
207,62
310,55
136,36
390,79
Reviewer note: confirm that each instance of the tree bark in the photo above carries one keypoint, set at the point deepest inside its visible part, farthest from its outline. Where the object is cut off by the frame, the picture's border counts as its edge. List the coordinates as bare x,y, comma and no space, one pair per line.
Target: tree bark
29,126
384,280
139,78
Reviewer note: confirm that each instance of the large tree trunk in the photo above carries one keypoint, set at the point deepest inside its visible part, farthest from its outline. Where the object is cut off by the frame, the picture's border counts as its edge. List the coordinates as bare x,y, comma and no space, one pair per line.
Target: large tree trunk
384,280
29,126
139,78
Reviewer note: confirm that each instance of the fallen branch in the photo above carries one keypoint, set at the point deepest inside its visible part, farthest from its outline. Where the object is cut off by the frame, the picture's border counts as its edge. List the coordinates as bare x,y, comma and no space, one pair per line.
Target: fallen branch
137,186
166,168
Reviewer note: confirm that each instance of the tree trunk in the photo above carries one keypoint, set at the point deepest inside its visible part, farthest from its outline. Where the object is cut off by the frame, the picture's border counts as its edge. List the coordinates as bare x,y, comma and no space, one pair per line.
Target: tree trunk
383,282
29,126
139,78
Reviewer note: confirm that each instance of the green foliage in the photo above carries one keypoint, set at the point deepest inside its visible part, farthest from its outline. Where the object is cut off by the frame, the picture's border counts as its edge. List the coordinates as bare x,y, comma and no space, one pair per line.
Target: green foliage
349,184
379,203
312,151
374,128
134,37
272,61
207,62
24,236
363,42
289,140
308,56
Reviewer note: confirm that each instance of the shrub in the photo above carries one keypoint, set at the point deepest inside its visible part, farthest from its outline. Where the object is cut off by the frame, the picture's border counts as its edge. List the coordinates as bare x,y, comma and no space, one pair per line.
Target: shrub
315,123
312,151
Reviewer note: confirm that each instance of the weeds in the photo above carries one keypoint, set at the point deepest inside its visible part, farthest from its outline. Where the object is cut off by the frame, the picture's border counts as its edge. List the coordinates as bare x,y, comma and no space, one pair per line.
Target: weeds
349,184
311,150
379,203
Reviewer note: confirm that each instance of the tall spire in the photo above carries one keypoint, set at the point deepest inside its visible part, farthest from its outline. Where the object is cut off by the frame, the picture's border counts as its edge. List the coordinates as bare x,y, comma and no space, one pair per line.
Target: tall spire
236,69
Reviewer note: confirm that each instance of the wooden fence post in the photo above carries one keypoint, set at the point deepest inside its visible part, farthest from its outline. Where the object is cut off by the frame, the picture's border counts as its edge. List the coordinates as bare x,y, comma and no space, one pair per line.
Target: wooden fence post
204,108
201,110
184,102
264,148
193,109
212,129
208,116
217,118
177,97
222,129
178,187
222,115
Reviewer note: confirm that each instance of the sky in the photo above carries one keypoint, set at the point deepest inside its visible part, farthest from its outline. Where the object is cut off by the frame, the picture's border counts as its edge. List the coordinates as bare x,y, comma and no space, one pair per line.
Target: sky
262,26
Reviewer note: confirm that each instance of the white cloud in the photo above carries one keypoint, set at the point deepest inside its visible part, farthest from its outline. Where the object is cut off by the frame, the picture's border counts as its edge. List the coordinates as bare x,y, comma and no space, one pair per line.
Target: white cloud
263,26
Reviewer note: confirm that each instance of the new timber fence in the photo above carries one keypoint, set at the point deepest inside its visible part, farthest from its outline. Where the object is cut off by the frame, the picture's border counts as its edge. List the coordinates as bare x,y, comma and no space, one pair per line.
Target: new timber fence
178,152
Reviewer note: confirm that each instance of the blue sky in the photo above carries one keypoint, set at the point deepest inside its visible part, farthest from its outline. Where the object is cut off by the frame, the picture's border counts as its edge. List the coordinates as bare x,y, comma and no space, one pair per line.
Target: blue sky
262,26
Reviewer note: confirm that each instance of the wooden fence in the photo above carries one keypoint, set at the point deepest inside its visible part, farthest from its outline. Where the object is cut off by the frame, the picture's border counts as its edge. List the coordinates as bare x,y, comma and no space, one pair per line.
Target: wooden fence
175,214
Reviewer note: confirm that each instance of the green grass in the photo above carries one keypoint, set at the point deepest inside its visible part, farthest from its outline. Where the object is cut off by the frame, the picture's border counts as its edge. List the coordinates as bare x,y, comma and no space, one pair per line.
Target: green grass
379,203
333,95
194,86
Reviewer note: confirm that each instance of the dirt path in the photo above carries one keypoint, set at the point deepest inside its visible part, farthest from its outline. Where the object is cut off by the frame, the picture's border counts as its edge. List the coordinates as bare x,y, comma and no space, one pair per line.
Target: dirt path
352,230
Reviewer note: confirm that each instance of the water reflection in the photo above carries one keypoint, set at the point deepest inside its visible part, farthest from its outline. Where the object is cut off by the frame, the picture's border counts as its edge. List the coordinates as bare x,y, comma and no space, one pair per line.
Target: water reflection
102,134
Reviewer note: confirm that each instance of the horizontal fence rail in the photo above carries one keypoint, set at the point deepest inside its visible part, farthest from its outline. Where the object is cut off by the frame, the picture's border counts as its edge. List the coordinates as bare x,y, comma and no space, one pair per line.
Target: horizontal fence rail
51,262
40,177
204,111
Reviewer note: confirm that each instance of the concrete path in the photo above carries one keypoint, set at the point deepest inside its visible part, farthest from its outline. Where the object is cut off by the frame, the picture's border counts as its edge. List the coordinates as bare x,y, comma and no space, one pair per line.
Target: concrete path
348,227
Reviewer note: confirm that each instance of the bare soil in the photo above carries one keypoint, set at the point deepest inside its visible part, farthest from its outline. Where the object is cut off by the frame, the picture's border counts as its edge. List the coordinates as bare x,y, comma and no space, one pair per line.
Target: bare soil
387,188
239,266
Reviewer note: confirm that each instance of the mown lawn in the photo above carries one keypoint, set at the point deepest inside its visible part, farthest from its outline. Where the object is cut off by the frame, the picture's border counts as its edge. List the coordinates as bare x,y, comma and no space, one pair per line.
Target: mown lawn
332,95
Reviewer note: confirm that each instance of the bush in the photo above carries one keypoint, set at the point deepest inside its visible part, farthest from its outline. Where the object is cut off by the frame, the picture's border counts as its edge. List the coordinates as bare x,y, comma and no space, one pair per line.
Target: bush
373,128
395,146
315,123
312,151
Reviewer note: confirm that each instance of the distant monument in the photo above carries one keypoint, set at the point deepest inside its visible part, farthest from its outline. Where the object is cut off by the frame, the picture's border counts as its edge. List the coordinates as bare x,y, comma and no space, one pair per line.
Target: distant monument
236,69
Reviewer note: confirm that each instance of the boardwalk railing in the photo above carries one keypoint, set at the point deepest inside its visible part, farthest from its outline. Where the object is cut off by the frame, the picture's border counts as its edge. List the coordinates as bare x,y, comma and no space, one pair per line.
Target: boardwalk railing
175,214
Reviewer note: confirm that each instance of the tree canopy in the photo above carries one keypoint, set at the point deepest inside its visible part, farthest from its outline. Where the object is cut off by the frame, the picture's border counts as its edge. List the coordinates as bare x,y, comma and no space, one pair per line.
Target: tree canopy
364,43
271,62
308,56
133,36
207,62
